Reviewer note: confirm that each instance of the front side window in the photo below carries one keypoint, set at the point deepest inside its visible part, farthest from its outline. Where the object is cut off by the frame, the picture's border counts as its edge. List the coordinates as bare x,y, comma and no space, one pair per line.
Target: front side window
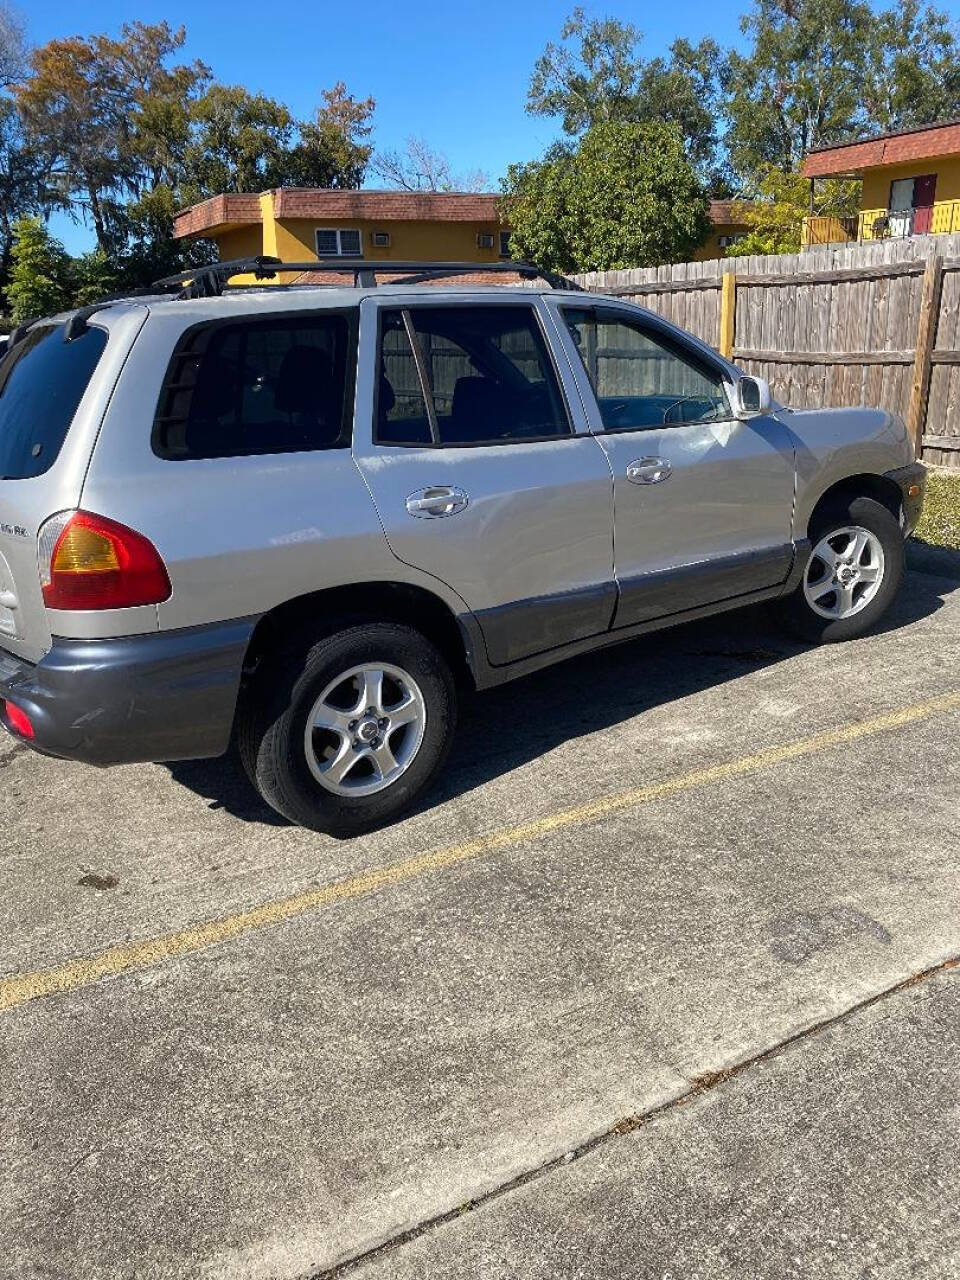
277,385
42,380
343,242
641,379
466,376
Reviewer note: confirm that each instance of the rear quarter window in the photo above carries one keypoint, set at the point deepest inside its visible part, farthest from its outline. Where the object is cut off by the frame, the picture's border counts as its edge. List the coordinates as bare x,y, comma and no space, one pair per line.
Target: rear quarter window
42,381
260,386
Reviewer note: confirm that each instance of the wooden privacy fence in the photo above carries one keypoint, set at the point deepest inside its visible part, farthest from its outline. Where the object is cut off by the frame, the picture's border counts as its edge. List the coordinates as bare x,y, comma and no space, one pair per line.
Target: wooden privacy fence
875,324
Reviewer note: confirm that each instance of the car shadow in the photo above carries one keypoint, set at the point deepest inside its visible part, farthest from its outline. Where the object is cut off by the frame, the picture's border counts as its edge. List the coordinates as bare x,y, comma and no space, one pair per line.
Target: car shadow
507,727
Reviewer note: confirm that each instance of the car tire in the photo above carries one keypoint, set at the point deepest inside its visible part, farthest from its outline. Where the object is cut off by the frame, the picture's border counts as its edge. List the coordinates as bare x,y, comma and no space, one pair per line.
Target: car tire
336,778
851,541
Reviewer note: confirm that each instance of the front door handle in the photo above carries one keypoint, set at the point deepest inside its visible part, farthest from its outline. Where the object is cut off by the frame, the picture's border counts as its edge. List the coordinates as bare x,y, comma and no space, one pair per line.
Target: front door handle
649,471
438,500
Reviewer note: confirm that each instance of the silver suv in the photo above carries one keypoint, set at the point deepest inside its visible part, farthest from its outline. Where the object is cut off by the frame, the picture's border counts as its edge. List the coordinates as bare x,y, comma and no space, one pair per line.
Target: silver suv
303,518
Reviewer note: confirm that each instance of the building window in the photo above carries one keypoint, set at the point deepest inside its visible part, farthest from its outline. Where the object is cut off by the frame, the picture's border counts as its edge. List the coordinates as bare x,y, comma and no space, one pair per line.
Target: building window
381,239
485,240
726,241
339,243
504,244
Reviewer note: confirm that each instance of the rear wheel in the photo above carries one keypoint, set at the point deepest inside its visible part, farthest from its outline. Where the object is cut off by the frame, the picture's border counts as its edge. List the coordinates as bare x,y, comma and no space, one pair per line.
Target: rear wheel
343,737
853,572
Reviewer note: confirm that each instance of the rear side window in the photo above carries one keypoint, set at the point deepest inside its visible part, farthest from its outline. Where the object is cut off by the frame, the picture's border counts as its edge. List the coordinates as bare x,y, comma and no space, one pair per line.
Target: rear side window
42,381
466,376
276,385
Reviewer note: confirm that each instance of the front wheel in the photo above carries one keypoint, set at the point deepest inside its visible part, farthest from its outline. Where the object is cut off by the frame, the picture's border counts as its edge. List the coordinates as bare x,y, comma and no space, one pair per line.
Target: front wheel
344,737
853,572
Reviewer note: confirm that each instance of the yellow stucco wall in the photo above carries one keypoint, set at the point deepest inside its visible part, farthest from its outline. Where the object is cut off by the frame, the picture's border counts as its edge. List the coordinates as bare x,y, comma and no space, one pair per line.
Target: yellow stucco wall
294,239
241,242
711,247
875,199
876,182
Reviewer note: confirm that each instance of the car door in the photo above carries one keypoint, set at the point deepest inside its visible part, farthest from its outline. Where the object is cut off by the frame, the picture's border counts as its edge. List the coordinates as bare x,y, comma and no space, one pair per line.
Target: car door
703,501
482,467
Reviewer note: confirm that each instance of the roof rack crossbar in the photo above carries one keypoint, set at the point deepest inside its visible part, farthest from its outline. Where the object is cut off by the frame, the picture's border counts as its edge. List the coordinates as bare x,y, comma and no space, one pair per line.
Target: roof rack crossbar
210,281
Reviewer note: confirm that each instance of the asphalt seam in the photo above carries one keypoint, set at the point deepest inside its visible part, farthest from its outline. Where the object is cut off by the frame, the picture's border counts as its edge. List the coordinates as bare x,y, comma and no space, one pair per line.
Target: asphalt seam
699,1087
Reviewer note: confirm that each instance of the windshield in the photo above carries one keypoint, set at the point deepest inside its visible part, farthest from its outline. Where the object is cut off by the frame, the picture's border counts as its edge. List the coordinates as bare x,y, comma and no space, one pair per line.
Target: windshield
42,380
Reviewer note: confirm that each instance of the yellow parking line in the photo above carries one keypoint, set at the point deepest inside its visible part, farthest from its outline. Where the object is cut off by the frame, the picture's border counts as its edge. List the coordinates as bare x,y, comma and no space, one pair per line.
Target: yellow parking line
133,956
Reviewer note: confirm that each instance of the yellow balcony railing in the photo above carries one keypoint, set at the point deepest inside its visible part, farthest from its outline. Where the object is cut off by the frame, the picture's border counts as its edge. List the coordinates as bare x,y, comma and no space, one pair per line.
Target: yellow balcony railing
881,224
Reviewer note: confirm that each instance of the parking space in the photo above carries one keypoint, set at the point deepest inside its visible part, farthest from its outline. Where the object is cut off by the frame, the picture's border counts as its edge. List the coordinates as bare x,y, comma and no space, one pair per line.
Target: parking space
234,1048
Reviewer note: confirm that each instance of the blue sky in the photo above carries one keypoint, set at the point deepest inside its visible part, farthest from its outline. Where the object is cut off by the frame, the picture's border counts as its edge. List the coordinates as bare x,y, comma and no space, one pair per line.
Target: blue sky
453,73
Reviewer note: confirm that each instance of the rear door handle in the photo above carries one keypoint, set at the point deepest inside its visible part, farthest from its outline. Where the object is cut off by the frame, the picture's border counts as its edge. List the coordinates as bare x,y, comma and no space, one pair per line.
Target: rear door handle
439,500
649,471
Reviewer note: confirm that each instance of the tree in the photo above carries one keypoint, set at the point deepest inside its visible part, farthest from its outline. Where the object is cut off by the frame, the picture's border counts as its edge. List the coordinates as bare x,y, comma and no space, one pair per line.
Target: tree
625,196
782,202
596,75
819,72
913,68
239,143
92,276
332,150
110,114
40,273
419,168
23,178
13,46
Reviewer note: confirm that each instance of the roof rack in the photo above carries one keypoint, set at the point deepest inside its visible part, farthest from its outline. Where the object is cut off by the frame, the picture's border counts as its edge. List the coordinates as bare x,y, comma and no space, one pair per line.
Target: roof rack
211,281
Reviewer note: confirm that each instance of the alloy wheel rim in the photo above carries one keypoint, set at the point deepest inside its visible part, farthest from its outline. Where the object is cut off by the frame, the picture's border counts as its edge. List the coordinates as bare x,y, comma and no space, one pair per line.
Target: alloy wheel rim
844,572
365,729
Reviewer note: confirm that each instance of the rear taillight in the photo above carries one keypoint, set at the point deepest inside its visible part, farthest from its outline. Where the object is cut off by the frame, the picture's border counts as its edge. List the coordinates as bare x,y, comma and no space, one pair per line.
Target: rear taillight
18,720
90,562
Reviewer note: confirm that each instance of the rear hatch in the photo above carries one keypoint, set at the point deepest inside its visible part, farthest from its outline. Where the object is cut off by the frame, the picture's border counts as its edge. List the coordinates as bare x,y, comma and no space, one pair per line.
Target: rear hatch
53,394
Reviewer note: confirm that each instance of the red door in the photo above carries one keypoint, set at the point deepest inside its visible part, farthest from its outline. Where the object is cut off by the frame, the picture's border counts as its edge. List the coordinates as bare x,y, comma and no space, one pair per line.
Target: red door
924,192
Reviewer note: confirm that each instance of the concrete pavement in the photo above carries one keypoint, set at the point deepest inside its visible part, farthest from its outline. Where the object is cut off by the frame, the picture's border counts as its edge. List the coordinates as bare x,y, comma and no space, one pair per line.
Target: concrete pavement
280,1100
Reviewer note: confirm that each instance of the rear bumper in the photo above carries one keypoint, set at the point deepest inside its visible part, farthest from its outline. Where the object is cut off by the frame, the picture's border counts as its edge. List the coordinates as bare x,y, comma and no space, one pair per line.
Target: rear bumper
911,480
164,696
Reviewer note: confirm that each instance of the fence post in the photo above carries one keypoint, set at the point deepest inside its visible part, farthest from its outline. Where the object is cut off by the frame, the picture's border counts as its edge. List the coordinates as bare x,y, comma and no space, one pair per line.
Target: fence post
926,334
728,313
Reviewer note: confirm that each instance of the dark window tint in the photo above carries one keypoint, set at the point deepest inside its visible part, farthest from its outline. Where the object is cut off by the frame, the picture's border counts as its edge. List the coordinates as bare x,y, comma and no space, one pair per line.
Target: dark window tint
401,409
641,378
489,376
263,386
42,380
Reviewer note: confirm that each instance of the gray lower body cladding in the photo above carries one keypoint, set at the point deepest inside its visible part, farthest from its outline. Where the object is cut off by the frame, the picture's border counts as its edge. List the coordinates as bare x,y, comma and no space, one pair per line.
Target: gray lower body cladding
164,696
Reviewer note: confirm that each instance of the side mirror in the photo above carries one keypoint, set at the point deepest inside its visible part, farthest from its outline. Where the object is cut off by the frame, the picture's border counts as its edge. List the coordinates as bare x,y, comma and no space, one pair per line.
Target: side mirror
751,397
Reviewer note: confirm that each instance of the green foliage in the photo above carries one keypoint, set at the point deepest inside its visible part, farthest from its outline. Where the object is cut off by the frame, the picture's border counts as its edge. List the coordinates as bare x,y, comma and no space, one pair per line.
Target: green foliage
783,201
40,282
595,75
940,523
92,276
123,134
333,149
625,196
238,143
818,72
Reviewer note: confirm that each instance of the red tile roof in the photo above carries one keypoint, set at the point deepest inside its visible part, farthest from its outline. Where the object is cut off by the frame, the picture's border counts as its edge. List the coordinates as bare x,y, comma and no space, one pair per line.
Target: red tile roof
886,149
299,202
728,212
392,206
218,211
369,206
